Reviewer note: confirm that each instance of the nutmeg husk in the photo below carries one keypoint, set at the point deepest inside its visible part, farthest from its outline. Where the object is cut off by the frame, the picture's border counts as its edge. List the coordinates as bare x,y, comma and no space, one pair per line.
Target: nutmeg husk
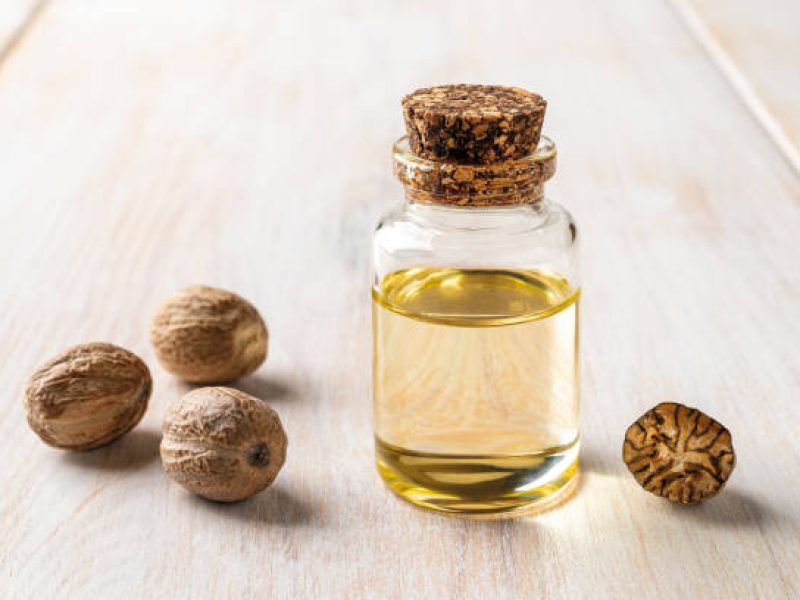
87,396
222,444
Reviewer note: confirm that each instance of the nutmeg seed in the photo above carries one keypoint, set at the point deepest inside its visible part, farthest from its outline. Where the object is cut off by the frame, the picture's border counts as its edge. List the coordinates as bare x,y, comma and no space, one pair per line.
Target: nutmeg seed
204,334
679,453
222,444
87,396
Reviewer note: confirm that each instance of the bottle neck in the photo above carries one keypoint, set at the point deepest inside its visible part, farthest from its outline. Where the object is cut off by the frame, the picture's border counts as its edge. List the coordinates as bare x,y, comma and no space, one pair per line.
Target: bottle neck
475,217
510,182
527,196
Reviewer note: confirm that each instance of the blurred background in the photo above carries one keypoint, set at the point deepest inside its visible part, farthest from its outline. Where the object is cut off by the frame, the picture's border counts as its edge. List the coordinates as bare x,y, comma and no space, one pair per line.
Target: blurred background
146,145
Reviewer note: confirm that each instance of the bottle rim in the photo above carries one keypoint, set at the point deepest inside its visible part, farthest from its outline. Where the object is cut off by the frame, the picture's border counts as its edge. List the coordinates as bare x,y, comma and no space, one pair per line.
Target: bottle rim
517,181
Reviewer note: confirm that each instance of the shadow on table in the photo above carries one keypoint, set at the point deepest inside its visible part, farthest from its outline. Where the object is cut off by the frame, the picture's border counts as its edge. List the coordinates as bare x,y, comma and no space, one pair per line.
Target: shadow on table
131,452
269,389
732,509
595,460
273,506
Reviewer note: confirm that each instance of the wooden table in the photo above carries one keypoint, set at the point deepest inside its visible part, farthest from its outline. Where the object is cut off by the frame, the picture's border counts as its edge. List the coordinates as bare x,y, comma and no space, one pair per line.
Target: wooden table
149,145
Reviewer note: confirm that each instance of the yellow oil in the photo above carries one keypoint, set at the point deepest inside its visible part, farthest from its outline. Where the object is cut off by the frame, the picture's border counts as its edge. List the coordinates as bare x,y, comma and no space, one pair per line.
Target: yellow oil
476,387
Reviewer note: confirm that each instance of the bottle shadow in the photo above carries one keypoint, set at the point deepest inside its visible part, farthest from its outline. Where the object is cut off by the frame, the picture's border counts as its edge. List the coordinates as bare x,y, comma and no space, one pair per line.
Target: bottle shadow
274,506
133,451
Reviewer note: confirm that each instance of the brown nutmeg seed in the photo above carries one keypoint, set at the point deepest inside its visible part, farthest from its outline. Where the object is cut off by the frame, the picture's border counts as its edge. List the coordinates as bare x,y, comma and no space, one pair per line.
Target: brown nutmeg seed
222,444
679,453
209,335
88,396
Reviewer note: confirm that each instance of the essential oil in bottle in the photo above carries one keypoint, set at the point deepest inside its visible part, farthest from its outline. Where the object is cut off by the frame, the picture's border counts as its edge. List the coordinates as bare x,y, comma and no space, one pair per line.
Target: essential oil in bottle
475,311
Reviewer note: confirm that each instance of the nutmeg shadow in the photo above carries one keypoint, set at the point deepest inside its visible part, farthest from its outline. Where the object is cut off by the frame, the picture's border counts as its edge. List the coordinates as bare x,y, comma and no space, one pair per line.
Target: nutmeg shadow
131,452
274,506
269,389
732,509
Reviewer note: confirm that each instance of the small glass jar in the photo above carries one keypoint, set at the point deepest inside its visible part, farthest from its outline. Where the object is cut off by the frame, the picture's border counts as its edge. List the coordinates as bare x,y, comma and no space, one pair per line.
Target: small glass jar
475,328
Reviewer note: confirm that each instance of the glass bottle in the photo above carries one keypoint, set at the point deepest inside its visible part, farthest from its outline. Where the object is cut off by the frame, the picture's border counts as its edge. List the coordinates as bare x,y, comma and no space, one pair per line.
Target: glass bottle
475,329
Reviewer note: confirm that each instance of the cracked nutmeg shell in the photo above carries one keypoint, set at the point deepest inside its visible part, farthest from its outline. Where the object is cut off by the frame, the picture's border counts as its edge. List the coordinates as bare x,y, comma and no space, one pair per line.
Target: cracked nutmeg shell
204,334
679,453
87,396
222,444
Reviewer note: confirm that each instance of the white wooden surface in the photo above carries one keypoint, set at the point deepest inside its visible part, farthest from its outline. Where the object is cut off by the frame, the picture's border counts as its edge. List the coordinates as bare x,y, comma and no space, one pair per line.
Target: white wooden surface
757,46
16,17
149,145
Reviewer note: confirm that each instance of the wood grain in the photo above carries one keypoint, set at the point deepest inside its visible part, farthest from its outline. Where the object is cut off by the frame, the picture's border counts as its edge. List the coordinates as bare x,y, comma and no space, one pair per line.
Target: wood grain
17,17
757,47
150,145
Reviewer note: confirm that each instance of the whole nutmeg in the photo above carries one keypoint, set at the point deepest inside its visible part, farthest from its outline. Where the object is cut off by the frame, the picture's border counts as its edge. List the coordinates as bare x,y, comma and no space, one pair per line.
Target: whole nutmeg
222,444
208,335
88,396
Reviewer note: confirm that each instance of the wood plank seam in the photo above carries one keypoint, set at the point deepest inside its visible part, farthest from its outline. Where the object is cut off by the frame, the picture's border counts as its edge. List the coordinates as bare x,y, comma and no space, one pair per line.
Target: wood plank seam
22,30
738,81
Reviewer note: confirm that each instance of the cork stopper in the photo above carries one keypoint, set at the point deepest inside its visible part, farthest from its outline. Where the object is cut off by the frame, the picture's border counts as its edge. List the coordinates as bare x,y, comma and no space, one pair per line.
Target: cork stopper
473,124
518,181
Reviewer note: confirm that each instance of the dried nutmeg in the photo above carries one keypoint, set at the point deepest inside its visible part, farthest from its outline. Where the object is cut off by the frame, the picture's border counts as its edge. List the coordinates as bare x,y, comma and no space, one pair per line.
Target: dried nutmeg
679,453
208,335
222,444
88,396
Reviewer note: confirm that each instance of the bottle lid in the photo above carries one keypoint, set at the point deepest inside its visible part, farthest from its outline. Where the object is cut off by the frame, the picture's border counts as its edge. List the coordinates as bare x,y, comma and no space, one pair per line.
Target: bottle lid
473,124
517,181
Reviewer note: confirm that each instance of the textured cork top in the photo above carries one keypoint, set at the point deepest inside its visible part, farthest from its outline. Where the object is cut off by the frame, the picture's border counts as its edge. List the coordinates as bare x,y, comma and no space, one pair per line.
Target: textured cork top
473,124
